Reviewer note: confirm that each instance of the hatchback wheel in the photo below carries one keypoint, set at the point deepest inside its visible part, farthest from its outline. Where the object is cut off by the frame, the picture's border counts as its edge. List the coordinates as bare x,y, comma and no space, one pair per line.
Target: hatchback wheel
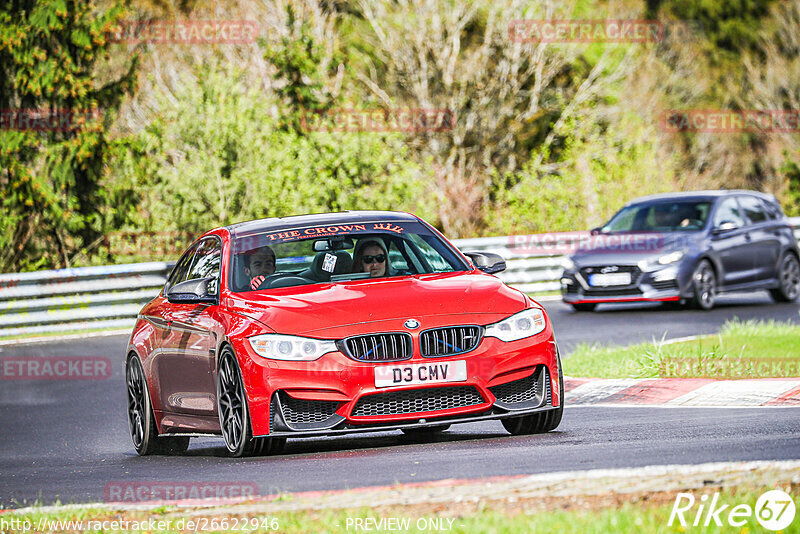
704,282
584,306
141,420
789,279
234,417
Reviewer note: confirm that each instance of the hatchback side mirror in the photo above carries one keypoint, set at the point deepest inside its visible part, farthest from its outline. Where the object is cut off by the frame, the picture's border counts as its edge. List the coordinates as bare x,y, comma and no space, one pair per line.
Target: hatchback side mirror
487,262
594,231
724,226
198,291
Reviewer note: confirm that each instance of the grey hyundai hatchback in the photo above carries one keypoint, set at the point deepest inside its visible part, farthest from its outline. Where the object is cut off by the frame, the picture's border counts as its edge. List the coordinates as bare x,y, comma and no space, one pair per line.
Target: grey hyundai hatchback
686,248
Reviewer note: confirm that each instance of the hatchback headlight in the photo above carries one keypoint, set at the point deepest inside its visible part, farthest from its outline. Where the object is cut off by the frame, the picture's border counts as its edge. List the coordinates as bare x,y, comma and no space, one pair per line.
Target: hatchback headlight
524,324
290,348
672,257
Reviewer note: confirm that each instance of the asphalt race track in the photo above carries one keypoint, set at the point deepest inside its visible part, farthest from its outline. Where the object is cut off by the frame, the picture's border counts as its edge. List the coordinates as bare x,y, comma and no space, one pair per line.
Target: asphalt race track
68,440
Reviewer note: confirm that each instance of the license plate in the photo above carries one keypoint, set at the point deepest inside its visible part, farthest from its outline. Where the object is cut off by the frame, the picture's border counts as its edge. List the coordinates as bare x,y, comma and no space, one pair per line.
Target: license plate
421,373
610,279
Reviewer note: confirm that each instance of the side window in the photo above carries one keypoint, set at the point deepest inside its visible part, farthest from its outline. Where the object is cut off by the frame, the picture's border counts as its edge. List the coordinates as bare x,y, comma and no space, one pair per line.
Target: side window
751,206
181,269
437,263
773,210
728,212
207,260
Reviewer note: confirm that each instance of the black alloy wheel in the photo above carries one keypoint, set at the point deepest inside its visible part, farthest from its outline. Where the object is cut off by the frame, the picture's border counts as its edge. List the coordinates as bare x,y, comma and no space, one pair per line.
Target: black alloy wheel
234,417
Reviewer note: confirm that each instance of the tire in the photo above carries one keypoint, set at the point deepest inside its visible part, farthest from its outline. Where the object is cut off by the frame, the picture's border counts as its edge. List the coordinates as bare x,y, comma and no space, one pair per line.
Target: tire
234,415
424,432
141,420
584,307
539,423
704,286
789,280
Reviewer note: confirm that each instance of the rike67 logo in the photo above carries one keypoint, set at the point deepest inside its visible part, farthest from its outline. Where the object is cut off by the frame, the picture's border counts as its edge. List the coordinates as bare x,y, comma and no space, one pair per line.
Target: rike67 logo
774,510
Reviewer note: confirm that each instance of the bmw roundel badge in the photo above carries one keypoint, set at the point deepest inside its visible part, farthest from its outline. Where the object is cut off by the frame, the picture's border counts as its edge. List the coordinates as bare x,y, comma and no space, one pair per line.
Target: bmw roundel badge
411,324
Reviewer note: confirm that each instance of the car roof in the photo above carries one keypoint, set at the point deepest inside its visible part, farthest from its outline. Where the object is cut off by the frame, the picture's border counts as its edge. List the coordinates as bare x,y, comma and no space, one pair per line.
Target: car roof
699,195
298,221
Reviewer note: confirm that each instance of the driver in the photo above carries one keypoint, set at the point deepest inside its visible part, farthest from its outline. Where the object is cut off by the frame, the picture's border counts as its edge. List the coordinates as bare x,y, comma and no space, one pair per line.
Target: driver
258,264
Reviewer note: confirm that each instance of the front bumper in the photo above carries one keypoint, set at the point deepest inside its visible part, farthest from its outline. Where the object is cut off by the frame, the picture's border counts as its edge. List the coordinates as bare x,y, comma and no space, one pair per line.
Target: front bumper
336,395
661,285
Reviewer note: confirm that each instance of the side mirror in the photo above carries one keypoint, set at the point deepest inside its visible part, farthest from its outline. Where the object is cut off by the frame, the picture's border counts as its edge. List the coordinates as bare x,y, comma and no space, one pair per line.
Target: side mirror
724,226
487,262
595,231
198,291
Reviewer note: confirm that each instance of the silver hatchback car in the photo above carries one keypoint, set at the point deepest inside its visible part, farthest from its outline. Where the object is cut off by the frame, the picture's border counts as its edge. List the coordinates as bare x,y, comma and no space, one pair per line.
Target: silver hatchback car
686,248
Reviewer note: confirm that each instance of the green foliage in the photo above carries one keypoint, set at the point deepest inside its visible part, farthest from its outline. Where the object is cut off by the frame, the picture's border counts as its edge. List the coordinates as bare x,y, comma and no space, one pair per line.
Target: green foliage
220,155
586,182
791,204
730,25
50,178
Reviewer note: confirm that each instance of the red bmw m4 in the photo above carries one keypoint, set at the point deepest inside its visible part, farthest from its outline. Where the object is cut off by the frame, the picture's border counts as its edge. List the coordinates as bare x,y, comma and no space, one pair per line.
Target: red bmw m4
331,324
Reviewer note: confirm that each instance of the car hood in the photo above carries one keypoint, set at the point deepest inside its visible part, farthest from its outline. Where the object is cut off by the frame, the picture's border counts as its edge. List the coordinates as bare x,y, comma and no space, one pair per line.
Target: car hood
630,248
349,308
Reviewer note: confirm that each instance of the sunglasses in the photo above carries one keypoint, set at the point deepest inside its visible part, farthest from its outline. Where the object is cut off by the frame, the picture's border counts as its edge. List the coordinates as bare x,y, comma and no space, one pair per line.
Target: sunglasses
380,258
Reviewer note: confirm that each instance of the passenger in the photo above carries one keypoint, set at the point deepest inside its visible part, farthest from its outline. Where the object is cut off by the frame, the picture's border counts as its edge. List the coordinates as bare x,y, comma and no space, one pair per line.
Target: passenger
371,257
258,264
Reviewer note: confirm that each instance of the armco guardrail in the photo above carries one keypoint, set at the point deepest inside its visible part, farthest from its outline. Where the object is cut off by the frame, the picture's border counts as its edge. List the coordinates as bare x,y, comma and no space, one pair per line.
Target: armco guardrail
111,296
77,299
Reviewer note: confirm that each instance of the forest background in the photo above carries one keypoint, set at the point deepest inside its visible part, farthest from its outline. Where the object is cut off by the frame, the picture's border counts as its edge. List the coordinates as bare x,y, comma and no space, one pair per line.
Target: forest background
165,139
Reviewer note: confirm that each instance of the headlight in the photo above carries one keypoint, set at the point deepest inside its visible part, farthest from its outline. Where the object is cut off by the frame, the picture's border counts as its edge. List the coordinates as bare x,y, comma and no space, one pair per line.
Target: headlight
567,263
672,257
524,324
291,348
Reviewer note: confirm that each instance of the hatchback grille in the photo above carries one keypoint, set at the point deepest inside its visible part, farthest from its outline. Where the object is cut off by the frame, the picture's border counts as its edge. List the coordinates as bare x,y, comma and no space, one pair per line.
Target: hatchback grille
417,401
448,341
301,411
629,292
378,347
522,390
634,271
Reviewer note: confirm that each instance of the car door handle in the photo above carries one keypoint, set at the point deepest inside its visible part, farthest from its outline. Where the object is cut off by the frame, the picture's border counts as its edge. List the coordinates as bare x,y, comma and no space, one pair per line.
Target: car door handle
747,237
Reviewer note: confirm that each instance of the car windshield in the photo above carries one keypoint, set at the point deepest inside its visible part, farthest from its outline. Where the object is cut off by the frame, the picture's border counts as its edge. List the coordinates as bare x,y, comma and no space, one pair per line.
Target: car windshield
681,216
336,253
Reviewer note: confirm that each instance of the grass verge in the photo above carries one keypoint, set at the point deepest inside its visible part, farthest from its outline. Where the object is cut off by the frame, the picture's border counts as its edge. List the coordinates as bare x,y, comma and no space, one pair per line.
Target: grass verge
742,349
587,514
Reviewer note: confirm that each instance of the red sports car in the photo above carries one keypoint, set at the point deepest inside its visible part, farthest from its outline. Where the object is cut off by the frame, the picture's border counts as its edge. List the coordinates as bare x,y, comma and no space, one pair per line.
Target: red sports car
331,324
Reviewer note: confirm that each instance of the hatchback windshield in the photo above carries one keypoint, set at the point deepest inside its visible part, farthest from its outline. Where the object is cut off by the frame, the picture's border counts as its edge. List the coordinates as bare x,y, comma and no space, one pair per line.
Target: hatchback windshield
686,216
337,253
